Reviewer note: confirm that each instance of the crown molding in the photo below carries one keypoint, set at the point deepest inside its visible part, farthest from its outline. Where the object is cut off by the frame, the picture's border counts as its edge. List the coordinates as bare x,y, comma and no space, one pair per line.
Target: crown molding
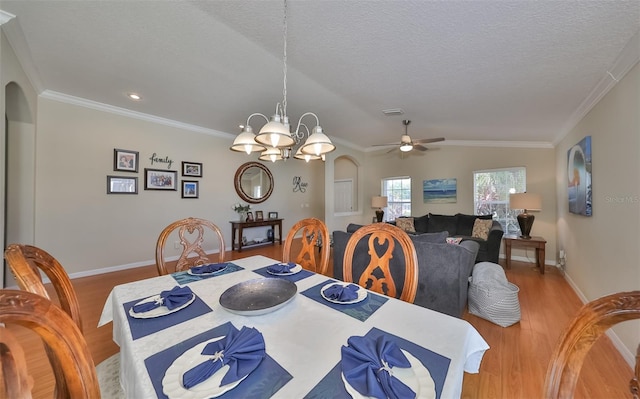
15,37
5,17
628,57
82,102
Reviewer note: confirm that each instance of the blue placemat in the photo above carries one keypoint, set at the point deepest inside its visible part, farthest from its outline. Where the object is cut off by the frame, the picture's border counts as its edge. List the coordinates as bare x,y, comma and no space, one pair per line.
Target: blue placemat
184,277
143,327
302,274
332,386
361,310
263,382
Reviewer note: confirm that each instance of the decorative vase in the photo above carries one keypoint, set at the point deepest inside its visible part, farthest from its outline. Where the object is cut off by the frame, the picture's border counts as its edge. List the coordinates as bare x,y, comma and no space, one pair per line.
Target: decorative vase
243,216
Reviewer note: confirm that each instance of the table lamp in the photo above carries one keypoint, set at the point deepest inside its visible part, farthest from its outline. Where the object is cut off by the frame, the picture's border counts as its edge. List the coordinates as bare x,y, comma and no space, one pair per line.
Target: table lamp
528,202
379,203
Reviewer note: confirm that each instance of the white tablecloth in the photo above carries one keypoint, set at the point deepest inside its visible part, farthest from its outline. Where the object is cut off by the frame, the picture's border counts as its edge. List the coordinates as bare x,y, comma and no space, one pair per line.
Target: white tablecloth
304,337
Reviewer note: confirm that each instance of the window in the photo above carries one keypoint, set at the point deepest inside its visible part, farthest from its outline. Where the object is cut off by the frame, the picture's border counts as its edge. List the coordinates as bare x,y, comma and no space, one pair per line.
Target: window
491,189
398,193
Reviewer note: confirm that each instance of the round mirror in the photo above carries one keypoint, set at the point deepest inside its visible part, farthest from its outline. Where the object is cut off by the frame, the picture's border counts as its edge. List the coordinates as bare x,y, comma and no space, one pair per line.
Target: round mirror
253,182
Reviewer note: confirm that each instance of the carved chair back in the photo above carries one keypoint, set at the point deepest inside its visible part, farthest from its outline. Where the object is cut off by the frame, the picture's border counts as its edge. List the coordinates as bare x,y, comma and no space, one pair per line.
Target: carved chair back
592,320
382,238
314,235
191,233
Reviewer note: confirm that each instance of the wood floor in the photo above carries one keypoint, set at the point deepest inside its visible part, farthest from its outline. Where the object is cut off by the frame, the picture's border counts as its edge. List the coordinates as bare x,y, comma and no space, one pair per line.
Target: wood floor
514,367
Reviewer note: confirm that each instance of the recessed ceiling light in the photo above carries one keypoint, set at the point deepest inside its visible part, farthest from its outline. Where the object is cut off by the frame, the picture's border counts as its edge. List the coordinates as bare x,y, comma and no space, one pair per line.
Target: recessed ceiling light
134,96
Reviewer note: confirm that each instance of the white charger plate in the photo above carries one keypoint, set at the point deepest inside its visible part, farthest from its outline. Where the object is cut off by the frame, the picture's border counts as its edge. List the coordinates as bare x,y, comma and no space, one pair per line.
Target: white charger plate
207,274
296,269
210,388
416,377
160,310
362,294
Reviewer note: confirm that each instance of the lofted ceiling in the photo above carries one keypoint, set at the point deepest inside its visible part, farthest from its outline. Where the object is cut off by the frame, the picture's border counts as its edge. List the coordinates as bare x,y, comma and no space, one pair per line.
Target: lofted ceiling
499,71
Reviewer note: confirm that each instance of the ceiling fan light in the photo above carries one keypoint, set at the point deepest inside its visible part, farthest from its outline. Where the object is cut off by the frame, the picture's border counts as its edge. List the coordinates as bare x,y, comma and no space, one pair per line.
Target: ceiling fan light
245,142
406,147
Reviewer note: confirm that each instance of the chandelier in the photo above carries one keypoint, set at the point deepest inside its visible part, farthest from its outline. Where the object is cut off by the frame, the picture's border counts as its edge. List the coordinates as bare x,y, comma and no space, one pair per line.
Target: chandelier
275,141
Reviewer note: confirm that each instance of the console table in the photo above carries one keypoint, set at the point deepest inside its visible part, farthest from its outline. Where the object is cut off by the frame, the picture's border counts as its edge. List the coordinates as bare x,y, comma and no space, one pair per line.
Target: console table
538,243
238,225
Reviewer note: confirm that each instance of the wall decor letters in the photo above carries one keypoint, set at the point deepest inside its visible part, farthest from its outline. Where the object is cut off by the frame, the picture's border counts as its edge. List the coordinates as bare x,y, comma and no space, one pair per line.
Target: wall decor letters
155,158
299,185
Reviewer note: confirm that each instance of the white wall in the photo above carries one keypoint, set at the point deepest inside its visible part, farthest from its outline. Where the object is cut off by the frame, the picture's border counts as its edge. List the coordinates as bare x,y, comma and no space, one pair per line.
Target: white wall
446,161
603,251
86,229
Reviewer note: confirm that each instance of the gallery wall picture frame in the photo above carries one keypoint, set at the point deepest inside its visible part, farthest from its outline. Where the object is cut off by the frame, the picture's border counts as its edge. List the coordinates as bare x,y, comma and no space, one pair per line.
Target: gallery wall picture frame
259,215
273,215
193,169
157,179
190,189
122,185
125,160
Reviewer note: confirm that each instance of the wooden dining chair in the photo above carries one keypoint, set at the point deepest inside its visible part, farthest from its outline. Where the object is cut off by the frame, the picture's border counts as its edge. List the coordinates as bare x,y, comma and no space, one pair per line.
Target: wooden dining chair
592,320
25,263
60,334
378,275
191,233
314,235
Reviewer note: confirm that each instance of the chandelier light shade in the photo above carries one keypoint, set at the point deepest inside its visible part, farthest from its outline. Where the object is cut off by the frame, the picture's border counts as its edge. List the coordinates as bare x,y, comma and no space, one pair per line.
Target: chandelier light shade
527,202
276,136
379,202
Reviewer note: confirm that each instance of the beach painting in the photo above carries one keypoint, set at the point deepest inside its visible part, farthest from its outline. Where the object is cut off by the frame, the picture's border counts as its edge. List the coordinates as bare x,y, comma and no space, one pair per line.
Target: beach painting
440,191
579,177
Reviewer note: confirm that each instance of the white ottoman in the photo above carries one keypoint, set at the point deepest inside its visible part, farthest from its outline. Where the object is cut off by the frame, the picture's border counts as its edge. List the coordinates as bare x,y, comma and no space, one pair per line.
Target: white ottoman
491,296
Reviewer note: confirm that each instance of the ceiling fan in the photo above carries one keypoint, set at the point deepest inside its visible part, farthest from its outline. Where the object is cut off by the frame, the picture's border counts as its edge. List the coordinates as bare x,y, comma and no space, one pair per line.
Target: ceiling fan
406,144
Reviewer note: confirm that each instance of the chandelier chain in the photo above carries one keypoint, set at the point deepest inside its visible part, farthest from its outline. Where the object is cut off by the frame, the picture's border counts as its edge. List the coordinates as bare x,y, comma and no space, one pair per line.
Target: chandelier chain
284,61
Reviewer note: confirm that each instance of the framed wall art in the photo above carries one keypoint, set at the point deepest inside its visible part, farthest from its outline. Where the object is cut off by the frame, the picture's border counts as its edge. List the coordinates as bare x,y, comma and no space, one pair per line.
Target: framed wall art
193,169
259,215
122,185
156,179
190,189
273,215
125,160
440,191
579,178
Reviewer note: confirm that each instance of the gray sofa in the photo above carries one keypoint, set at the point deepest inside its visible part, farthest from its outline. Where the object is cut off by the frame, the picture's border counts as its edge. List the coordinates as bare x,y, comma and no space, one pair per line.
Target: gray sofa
461,225
443,274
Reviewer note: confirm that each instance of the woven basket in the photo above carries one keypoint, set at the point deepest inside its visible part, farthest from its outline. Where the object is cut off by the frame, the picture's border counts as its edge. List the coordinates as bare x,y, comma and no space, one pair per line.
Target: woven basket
492,297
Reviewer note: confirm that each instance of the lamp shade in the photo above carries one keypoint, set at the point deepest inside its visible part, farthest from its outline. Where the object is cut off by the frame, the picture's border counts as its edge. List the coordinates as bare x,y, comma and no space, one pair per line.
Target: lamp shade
528,201
378,202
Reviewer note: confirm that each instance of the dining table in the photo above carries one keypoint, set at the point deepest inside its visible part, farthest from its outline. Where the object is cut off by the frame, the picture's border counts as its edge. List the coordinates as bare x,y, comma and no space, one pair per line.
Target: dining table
304,337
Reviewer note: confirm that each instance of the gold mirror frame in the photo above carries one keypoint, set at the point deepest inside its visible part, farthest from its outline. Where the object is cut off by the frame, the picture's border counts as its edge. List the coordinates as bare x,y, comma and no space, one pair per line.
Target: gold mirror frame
246,170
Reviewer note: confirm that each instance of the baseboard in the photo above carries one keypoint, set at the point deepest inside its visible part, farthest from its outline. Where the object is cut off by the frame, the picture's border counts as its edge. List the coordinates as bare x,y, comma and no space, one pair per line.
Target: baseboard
627,355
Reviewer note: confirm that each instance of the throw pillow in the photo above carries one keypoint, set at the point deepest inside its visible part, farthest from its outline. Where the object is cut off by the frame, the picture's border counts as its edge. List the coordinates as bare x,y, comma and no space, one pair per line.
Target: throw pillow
481,228
454,240
406,224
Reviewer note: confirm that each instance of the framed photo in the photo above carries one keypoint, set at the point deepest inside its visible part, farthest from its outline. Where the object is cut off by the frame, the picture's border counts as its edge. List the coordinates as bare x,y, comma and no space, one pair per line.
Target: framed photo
190,189
192,169
249,216
156,179
122,185
273,215
125,160
259,215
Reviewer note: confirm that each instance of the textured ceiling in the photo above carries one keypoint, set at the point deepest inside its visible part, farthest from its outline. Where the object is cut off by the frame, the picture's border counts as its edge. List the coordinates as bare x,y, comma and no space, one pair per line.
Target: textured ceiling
464,70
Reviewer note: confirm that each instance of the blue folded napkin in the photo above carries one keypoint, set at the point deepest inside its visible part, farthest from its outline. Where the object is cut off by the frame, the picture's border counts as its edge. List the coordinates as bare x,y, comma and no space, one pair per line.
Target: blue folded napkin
367,365
280,268
209,268
172,299
242,350
342,293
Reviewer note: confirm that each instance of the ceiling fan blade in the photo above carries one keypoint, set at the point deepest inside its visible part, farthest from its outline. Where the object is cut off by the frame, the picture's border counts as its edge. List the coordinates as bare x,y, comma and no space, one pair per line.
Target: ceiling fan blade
434,140
384,145
391,150
419,147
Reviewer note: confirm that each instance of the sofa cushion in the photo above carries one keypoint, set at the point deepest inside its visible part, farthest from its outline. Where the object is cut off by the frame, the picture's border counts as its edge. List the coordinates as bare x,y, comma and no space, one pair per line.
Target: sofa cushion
465,223
481,228
352,227
439,237
421,224
442,223
406,224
